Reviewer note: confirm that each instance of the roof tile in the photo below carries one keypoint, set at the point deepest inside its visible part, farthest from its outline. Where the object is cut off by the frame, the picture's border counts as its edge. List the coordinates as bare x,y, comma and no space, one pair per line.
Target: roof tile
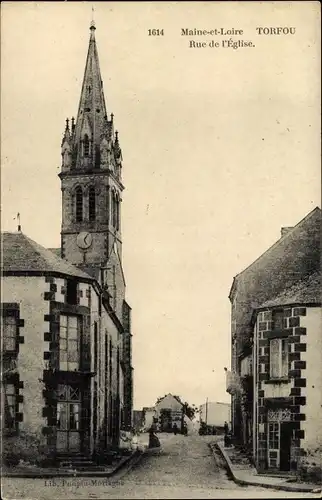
20,254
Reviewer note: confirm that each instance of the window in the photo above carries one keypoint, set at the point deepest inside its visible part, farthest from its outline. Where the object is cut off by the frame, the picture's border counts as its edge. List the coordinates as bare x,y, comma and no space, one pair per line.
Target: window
69,343
86,145
117,214
72,292
9,333
273,444
91,204
10,406
279,358
278,319
114,209
79,204
95,346
273,436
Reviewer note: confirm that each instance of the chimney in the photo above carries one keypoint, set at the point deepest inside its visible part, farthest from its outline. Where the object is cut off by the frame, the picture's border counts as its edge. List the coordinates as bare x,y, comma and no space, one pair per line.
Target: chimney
285,230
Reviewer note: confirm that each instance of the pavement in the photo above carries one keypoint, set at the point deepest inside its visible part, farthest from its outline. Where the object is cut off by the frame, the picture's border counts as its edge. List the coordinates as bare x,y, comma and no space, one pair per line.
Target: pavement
185,467
245,474
26,471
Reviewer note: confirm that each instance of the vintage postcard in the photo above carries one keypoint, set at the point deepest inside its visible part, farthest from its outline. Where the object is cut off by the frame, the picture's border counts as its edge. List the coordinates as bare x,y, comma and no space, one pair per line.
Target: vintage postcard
161,249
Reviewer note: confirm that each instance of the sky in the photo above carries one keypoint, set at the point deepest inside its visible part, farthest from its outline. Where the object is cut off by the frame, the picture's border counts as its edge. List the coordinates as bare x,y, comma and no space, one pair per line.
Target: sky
221,149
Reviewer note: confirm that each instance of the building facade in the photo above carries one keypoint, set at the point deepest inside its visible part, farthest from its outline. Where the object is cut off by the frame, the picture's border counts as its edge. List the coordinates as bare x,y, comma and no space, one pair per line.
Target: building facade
215,414
77,394
287,384
61,374
258,299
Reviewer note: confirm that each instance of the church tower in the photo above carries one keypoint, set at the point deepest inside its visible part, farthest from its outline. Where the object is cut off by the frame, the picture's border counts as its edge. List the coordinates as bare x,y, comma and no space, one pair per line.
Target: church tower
91,184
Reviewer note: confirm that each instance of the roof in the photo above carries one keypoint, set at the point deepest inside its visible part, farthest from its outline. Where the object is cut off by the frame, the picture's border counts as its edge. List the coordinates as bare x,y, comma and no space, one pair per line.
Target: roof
56,251
306,291
177,398
289,235
21,255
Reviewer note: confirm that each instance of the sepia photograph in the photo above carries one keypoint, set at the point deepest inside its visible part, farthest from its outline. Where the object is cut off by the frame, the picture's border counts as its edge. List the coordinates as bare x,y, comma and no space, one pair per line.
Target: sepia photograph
161,306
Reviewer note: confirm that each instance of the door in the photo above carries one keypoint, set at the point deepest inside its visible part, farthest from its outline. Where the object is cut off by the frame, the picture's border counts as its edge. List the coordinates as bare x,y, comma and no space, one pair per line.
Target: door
285,446
69,435
273,439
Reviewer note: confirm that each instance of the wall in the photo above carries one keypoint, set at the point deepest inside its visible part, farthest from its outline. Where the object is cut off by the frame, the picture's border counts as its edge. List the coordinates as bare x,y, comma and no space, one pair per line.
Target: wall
29,293
168,402
217,414
299,397
312,426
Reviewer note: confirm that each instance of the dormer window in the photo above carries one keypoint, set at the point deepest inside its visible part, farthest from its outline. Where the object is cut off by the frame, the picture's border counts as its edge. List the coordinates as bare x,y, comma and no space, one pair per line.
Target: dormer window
72,292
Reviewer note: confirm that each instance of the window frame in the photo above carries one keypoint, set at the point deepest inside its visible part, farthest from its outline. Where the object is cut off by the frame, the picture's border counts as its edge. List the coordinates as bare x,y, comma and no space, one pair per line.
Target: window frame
273,430
279,361
278,319
14,425
91,204
69,340
86,146
10,313
79,204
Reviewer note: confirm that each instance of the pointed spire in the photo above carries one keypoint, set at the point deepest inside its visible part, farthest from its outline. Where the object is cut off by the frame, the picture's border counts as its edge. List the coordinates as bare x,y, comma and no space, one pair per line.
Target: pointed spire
92,109
66,136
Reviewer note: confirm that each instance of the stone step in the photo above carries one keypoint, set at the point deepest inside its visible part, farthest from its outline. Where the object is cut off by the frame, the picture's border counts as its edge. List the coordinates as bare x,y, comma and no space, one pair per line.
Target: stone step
90,468
68,463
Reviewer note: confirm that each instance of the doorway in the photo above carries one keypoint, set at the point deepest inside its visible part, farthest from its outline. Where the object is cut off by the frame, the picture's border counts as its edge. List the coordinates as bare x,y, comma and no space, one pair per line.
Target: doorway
69,435
279,445
285,446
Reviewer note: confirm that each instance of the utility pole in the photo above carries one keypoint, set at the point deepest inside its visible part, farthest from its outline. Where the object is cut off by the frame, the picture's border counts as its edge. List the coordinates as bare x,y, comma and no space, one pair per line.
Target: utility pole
207,411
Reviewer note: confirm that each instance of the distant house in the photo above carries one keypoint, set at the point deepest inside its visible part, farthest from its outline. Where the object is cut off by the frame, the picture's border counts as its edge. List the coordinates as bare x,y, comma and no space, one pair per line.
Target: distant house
215,414
169,411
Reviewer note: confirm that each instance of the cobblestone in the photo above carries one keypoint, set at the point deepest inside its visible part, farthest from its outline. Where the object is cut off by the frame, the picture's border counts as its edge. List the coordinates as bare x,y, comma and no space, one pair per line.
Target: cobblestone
185,468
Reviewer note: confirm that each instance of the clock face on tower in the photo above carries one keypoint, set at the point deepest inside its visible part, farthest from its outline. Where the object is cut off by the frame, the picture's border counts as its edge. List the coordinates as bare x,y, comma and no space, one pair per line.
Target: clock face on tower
84,240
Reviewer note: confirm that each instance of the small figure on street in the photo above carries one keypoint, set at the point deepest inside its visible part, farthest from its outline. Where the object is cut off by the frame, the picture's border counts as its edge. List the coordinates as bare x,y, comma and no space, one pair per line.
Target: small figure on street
153,438
185,429
175,429
227,441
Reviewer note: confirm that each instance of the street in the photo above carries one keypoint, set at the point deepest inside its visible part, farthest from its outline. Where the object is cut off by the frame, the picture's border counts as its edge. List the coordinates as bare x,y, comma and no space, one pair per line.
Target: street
185,468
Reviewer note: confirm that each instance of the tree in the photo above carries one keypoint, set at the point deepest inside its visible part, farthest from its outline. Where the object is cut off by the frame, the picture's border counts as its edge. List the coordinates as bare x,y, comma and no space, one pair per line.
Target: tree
188,410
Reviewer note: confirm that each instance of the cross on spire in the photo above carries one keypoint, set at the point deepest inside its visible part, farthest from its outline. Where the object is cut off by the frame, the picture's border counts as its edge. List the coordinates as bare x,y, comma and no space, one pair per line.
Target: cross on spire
18,221
92,27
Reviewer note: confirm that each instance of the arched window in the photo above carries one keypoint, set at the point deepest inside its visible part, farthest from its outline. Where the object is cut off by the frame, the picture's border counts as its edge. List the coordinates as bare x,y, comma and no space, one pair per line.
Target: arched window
117,214
79,204
91,204
114,209
86,145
